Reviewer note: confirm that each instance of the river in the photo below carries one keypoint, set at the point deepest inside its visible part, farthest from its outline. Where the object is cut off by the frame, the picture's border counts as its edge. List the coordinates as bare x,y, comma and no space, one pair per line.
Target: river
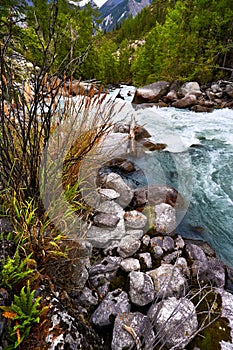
198,162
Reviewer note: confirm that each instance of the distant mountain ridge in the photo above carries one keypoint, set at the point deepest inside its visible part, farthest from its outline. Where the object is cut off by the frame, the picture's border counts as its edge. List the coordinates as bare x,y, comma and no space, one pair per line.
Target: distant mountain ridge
112,12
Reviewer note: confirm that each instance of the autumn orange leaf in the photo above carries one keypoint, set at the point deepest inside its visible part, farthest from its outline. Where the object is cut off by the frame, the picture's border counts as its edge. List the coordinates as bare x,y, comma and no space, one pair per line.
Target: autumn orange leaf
9,314
18,333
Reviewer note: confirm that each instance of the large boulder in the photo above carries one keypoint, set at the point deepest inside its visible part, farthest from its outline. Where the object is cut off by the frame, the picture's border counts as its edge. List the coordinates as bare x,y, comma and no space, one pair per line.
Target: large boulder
185,102
190,88
151,93
175,321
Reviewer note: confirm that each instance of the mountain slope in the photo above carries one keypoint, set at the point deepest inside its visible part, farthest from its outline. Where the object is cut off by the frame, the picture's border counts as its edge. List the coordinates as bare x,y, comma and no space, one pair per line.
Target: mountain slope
113,12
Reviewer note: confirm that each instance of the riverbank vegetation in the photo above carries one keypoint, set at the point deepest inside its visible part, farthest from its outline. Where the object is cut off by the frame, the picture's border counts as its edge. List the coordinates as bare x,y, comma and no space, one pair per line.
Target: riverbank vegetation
35,100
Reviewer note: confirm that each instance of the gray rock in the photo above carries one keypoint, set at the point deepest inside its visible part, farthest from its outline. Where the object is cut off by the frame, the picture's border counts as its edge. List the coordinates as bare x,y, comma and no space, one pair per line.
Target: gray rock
227,311
104,288
151,93
139,323
146,240
115,182
145,260
182,264
88,297
168,281
136,234
157,252
171,258
4,301
128,246
168,244
195,252
185,102
140,197
114,303
229,90
79,276
165,221
175,321
179,243
190,88
130,264
215,87
108,194
198,259
7,248
106,220
166,194
215,274
156,241
135,219
98,280
108,264
171,96
103,237
111,207
141,288
123,164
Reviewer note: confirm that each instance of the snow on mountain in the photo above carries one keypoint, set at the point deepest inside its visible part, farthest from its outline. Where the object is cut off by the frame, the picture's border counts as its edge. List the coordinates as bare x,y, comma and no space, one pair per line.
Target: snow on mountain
114,11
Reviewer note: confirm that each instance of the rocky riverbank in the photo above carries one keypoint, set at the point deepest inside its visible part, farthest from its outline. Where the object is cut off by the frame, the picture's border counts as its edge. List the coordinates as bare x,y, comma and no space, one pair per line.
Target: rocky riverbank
186,95
133,282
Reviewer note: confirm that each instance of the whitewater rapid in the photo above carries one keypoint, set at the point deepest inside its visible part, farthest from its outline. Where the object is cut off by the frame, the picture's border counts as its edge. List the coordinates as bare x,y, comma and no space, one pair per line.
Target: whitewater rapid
198,162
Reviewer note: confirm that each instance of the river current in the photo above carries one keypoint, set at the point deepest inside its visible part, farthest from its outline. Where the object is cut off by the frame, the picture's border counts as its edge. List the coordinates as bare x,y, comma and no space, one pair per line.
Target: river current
198,162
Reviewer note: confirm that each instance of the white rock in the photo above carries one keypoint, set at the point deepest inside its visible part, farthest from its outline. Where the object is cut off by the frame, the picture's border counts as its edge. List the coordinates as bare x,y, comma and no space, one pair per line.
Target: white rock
165,220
